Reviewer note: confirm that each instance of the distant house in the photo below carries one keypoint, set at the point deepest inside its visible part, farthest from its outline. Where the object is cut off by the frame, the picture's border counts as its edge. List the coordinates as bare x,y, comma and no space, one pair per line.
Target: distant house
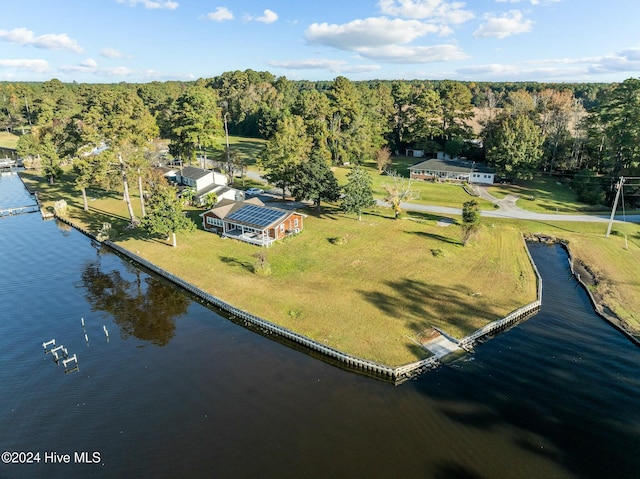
443,169
414,153
251,221
199,178
204,182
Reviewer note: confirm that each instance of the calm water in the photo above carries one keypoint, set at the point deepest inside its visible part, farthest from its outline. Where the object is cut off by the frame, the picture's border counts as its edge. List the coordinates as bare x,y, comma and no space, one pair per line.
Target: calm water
178,391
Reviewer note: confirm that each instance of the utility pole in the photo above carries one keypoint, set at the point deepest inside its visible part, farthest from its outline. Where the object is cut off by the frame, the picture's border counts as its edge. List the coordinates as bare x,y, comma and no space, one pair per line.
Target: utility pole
615,205
226,134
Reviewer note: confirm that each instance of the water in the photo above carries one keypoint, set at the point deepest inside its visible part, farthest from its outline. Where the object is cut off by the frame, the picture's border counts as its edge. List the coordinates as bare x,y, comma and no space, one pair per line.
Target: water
178,391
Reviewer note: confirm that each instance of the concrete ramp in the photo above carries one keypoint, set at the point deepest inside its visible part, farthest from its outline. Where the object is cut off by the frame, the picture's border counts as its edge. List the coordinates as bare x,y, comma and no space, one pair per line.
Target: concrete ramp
441,346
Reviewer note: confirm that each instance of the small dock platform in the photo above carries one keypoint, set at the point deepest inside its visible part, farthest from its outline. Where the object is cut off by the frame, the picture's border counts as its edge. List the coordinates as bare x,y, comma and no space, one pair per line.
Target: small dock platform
19,210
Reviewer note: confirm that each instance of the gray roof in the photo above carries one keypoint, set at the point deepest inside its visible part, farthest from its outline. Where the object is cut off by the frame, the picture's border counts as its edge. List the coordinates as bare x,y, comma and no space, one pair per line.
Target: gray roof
193,172
217,189
454,166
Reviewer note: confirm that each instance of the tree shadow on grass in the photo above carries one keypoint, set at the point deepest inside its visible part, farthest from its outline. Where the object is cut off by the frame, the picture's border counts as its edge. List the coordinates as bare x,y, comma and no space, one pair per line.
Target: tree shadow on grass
419,299
437,237
424,216
236,262
455,471
330,212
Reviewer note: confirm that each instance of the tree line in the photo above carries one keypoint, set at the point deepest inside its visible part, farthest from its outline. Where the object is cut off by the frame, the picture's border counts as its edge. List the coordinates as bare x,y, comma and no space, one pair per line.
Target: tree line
584,132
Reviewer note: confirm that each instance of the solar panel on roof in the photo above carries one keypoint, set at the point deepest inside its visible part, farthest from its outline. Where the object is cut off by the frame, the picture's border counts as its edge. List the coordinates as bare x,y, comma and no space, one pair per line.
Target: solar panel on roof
256,215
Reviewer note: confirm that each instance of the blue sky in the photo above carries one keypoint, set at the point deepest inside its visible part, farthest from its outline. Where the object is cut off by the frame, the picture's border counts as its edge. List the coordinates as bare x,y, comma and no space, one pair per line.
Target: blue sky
109,41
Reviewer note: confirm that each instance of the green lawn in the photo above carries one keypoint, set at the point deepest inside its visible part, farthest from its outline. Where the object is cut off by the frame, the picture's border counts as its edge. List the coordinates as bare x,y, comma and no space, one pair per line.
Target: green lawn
544,194
374,287
8,140
370,287
439,194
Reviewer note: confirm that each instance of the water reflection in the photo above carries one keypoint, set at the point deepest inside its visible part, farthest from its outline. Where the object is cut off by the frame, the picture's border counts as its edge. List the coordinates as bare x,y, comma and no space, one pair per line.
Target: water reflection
145,308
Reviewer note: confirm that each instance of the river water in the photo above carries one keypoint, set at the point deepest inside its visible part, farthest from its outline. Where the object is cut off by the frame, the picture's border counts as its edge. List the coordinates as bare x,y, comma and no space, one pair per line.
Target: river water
174,390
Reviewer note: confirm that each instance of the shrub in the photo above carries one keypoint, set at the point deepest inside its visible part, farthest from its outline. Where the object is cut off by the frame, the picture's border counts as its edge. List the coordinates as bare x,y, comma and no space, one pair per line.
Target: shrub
588,187
60,207
339,240
104,232
261,266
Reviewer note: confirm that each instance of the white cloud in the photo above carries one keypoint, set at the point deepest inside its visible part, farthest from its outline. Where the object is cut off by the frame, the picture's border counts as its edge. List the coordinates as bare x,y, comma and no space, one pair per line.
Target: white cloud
510,23
414,54
268,16
439,10
86,66
152,4
336,66
111,53
561,69
49,41
533,2
627,60
30,65
221,14
369,33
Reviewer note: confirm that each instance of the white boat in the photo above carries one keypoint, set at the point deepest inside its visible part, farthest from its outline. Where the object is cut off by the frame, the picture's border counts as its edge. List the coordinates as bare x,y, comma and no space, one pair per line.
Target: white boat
7,162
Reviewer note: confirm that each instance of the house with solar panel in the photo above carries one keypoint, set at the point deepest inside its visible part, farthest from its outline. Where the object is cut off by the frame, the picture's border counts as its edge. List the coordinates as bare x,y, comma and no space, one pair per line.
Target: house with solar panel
251,221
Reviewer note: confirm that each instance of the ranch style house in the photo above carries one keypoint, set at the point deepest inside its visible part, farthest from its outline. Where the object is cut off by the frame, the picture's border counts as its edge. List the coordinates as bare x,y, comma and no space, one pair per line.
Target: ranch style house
251,221
443,169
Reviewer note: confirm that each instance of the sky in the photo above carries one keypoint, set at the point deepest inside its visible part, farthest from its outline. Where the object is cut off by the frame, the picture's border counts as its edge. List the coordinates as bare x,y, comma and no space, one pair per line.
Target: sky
135,41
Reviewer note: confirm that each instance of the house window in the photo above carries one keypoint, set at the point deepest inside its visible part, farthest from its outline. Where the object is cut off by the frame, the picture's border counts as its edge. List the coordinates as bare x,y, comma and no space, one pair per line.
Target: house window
213,221
295,222
282,227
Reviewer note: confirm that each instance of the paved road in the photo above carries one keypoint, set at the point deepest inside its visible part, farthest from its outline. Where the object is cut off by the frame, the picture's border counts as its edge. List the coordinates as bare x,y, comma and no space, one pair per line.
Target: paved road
507,208
516,214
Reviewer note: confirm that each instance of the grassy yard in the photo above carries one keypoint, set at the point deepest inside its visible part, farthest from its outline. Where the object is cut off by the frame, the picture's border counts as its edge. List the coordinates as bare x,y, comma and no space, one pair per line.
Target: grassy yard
8,140
371,288
374,287
544,194
439,194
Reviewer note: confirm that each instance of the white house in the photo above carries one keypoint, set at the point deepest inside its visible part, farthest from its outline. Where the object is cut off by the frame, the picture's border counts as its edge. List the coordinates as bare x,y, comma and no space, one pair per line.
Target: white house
414,153
204,182
444,169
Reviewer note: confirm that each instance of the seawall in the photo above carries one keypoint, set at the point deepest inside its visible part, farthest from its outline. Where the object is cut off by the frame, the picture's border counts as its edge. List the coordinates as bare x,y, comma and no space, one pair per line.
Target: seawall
395,375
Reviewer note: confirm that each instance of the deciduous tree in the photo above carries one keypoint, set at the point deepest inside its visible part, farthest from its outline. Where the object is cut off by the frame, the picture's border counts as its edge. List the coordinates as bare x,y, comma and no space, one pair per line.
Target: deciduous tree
397,191
165,215
516,147
285,152
196,121
470,220
314,180
358,192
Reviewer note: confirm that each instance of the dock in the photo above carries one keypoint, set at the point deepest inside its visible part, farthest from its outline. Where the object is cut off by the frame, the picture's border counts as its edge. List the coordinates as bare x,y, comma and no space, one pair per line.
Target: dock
19,210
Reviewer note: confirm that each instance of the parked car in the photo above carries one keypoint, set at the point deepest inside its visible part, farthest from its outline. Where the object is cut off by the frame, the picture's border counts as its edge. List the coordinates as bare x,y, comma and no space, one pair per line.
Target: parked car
254,191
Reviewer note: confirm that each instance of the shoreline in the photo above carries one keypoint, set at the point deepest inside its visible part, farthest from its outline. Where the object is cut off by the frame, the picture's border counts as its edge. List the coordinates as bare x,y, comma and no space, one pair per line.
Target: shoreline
340,358
586,279
395,375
